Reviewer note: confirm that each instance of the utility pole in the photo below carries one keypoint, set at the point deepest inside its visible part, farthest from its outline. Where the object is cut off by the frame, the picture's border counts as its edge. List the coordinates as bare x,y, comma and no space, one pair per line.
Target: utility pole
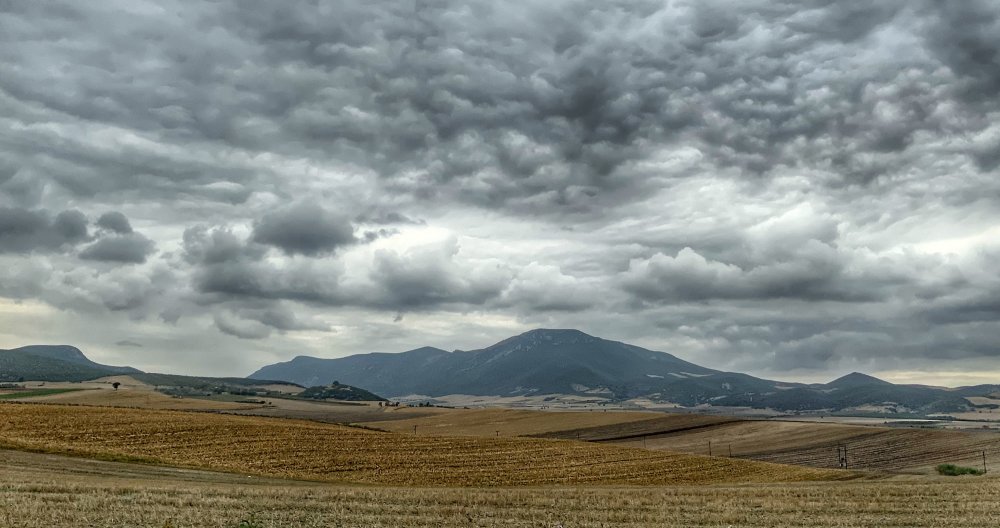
984,462
730,450
709,448
414,429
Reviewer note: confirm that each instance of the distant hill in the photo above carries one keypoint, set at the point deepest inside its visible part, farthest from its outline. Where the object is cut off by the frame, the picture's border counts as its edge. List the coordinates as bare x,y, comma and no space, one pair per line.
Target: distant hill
536,362
53,363
339,391
203,382
572,362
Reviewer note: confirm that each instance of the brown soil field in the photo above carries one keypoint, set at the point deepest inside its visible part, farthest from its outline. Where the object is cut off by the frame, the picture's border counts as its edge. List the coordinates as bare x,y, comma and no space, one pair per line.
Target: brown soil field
503,422
46,490
323,452
815,444
655,424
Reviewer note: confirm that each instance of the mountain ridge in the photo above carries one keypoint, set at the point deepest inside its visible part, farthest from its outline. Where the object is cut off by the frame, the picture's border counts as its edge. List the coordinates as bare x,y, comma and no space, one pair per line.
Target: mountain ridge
568,361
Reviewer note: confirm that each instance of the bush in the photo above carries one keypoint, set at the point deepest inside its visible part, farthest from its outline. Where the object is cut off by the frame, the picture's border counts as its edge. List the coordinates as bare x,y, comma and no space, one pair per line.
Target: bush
953,471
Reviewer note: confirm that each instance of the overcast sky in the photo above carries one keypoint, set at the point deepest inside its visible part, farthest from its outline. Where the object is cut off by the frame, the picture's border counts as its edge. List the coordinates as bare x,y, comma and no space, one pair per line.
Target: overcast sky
790,189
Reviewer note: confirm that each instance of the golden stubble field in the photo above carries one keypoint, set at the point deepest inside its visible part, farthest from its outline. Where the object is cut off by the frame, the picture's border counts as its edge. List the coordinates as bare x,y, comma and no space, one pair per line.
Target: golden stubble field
45,490
502,422
324,452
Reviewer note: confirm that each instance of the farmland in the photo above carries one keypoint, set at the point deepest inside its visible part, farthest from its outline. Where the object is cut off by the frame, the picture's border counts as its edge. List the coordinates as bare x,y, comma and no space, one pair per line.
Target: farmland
815,444
879,448
323,452
502,422
94,493
145,398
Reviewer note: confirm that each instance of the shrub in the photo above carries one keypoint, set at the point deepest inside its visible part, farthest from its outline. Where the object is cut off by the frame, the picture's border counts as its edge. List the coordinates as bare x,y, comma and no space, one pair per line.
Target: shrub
953,471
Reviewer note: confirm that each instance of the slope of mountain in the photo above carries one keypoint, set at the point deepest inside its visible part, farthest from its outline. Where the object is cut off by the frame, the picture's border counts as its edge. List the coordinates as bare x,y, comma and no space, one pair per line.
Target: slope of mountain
536,362
572,362
72,355
339,391
53,363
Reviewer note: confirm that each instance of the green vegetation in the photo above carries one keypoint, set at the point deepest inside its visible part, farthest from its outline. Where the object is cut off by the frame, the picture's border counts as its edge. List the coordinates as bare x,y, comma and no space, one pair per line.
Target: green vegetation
339,391
34,393
953,471
19,366
204,383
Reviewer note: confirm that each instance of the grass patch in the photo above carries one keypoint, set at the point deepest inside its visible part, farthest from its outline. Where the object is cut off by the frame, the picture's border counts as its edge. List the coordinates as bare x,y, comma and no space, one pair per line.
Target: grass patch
34,393
953,471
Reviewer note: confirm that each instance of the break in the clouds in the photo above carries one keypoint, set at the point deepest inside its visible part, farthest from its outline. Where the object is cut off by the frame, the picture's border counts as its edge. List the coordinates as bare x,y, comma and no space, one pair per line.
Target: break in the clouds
793,189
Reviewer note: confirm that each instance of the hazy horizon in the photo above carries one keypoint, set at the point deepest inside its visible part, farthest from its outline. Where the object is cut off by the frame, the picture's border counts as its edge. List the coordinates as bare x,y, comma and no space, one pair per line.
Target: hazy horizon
791,190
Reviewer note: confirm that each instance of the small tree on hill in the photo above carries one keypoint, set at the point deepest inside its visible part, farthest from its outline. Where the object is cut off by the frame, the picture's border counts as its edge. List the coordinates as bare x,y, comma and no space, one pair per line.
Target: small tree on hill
116,385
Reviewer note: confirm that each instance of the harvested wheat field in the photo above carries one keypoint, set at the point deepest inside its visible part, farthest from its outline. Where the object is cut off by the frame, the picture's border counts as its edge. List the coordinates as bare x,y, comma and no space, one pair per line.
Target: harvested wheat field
323,452
142,398
46,490
504,422
815,444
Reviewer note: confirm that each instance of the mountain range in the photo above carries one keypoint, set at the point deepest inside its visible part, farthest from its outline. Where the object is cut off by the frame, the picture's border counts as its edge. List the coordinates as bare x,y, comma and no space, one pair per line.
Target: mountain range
539,362
546,361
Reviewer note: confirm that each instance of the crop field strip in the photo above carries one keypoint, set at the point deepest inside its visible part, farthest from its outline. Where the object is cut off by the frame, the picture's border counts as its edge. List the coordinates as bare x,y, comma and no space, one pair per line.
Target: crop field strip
62,495
135,398
656,425
313,451
504,422
815,444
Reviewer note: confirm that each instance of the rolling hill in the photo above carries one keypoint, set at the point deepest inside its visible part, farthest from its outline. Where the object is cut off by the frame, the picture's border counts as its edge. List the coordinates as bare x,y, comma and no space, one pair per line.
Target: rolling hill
571,362
53,363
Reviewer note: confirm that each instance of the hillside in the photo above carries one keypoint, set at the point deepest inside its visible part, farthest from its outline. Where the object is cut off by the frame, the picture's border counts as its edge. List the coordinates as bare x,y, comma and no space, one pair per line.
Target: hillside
543,362
53,363
536,362
73,355
339,391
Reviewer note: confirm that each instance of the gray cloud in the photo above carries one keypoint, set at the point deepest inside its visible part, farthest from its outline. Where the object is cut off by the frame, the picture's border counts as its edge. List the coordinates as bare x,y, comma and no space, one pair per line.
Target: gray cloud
241,328
25,230
305,229
116,222
762,185
131,248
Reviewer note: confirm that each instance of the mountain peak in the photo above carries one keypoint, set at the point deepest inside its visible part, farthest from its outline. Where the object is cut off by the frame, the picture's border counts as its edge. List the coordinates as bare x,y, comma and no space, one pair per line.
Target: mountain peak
553,333
856,379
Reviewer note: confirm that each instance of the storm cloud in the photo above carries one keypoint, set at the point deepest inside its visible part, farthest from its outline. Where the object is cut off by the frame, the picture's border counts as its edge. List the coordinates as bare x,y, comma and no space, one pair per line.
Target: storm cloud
793,189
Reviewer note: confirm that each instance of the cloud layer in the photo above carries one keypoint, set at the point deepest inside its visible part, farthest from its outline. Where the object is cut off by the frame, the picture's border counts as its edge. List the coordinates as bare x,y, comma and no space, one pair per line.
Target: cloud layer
793,189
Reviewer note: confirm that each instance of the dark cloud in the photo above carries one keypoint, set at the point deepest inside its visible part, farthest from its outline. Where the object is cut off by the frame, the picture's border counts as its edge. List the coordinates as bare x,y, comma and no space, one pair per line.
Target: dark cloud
128,343
25,230
131,248
115,222
304,229
241,328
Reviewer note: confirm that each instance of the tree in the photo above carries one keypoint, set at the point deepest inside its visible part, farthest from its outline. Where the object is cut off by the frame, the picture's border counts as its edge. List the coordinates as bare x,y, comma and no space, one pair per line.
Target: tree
116,385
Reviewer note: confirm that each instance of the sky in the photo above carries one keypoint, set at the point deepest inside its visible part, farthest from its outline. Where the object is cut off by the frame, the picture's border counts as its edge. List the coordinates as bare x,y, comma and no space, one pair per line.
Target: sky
794,190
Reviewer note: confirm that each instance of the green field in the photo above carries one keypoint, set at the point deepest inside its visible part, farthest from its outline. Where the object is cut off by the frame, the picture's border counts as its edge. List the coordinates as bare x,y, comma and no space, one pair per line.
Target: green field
35,393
